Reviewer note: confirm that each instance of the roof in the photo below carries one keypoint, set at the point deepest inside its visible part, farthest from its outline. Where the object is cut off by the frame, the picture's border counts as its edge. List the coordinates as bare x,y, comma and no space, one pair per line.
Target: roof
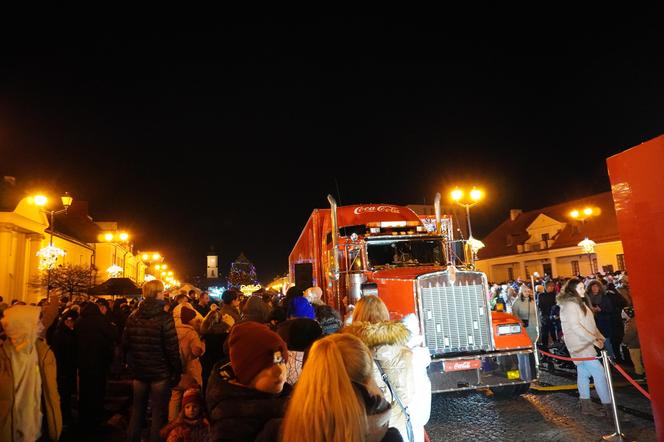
601,228
77,223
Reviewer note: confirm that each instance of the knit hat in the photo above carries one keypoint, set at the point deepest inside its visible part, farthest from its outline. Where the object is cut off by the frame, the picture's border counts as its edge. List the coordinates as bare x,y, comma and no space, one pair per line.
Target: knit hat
187,314
192,395
253,347
300,308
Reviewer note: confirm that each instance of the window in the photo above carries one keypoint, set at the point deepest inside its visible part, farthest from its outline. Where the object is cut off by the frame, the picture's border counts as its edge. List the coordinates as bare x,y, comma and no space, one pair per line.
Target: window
575,268
594,269
547,269
608,269
527,272
621,262
510,274
545,236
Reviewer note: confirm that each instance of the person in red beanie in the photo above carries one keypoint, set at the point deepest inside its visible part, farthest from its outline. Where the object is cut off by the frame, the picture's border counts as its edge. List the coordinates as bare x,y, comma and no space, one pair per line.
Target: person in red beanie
190,425
249,391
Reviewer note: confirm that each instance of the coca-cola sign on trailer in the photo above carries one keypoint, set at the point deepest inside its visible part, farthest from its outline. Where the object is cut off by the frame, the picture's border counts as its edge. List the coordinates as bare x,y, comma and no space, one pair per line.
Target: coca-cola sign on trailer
468,364
373,209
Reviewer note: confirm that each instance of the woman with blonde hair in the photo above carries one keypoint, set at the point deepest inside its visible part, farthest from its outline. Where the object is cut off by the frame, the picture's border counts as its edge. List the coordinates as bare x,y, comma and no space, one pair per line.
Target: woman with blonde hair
399,370
336,399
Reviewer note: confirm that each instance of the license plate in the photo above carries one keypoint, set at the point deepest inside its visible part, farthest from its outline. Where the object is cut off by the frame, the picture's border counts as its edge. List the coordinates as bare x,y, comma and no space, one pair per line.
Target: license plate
467,364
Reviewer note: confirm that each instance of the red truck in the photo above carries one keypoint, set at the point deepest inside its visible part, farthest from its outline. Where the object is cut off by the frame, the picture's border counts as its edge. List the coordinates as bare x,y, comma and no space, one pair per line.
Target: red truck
388,251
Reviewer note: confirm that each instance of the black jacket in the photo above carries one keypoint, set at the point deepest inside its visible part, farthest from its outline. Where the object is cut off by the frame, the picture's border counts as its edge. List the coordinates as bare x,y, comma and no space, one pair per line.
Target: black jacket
545,302
64,347
239,413
95,338
151,342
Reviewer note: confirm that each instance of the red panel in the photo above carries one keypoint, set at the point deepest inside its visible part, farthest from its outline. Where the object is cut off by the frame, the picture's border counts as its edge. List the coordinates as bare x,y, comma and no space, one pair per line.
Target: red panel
637,182
466,364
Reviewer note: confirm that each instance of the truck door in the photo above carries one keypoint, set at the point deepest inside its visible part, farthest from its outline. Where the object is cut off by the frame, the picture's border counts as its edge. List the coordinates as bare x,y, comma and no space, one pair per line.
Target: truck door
304,275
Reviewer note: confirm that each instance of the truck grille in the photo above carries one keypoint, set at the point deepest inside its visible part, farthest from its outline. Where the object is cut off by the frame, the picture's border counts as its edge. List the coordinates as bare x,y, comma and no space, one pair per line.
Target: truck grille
454,316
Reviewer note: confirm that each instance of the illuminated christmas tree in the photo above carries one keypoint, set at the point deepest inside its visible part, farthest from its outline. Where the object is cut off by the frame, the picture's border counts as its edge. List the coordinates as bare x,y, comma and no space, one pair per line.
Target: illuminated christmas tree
242,272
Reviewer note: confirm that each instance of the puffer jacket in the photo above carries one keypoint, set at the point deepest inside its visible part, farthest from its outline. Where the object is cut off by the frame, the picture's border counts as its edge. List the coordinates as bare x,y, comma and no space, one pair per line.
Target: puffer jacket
405,370
579,329
151,342
239,413
50,397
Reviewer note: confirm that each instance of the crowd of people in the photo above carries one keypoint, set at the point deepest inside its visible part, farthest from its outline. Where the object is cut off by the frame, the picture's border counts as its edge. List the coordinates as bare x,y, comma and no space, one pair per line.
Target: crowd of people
263,367
577,317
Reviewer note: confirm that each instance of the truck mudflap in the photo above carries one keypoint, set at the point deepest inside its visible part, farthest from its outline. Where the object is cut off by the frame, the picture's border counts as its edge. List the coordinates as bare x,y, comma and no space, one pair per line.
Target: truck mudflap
482,371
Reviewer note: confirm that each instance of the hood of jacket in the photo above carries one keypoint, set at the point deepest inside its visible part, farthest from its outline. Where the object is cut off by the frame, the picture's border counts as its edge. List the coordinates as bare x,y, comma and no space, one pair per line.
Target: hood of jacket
150,307
564,297
380,333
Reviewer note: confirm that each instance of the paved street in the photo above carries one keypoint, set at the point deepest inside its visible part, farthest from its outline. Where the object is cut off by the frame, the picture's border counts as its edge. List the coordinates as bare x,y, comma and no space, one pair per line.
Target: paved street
477,416
538,416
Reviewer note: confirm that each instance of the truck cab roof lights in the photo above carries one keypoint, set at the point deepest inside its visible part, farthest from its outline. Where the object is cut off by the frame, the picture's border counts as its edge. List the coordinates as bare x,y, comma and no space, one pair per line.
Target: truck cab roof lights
393,224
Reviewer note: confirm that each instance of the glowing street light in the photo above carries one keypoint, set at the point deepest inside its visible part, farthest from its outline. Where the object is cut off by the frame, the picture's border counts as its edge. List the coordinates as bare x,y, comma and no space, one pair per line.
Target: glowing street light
48,256
476,195
588,246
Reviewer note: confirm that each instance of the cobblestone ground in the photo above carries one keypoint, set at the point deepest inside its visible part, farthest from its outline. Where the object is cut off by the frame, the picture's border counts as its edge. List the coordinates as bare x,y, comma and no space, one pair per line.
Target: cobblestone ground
537,416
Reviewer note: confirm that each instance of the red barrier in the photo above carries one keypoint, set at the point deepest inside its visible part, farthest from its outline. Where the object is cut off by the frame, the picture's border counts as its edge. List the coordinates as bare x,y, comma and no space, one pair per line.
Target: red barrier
564,358
631,381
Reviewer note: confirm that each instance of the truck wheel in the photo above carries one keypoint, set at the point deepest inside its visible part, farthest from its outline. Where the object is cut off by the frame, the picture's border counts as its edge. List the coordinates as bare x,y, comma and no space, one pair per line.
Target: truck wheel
510,391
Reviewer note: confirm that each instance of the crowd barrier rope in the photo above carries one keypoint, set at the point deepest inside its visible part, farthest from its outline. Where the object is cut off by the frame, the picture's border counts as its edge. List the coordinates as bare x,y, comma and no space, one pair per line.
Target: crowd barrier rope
618,435
546,353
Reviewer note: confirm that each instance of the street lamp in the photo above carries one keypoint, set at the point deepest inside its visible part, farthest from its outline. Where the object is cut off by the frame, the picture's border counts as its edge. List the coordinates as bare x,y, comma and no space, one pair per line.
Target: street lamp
474,196
49,255
588,246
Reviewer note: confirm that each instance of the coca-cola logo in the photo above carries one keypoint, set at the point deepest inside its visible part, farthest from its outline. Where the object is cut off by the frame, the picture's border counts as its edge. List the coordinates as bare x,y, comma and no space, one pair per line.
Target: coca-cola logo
374,209
461,365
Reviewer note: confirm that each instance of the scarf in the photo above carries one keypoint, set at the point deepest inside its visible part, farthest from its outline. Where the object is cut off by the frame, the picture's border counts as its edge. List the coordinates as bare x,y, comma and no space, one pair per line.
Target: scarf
22,327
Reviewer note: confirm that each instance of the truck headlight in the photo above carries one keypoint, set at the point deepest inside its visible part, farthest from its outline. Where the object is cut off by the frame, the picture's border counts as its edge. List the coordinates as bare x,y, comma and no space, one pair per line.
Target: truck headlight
509,329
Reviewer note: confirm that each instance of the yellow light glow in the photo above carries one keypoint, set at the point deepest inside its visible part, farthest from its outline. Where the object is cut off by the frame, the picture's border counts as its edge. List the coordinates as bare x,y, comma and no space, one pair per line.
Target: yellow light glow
66,200
457,194
157,267
156,256
145,257
40,200
170,273
164,266
476,194
574,213
108,237
163,273
588,211
124,236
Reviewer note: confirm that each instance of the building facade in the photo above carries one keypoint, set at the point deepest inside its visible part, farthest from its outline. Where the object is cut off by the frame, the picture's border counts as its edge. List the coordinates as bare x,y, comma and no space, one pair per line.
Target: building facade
546,241
25,230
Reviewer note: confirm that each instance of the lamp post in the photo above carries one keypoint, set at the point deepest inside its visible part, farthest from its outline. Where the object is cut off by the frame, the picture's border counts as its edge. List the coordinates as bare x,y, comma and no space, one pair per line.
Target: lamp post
475,196
586,244
123,237
49,255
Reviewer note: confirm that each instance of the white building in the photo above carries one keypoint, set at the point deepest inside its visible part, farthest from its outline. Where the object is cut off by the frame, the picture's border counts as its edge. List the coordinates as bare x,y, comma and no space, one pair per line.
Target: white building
546,241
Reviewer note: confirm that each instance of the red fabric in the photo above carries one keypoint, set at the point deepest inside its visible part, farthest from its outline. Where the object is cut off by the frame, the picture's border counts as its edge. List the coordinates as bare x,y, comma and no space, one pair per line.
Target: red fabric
252,348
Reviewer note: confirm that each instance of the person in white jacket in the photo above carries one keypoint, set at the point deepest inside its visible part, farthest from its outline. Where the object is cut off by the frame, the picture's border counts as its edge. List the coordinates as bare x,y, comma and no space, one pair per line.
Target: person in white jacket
581,336
404,366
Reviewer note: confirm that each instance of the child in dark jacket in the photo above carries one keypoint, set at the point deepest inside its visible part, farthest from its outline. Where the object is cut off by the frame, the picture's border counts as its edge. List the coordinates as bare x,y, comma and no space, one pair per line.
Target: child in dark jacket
191,425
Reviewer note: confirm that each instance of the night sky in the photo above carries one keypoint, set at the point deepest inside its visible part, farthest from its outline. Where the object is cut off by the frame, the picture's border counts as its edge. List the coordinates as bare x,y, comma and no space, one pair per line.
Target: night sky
228,138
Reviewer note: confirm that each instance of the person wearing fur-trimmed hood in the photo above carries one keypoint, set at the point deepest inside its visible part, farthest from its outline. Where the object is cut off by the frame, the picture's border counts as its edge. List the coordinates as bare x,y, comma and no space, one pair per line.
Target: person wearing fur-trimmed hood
405,369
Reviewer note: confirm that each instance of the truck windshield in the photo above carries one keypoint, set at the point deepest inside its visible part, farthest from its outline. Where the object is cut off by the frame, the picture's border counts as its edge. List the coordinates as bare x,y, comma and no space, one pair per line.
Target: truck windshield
404,253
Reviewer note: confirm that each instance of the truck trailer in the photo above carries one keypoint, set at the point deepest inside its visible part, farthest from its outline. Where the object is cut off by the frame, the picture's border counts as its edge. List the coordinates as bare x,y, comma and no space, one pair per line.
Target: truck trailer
389,251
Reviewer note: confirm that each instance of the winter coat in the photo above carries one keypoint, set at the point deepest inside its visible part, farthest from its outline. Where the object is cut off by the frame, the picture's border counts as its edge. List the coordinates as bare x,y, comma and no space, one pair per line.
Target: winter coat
186,430
545,302
50,397
405,370
527,311
64,348
227,309
603,318
191,348
579,329
151,342
239,413
631,339
95,339
328,318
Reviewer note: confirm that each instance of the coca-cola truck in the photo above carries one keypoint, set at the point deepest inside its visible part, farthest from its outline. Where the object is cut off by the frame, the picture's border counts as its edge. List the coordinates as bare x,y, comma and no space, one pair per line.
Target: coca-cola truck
388,251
